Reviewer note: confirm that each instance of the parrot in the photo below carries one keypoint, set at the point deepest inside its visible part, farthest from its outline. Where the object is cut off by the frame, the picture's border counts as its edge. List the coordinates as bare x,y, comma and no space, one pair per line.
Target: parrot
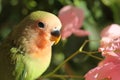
25,54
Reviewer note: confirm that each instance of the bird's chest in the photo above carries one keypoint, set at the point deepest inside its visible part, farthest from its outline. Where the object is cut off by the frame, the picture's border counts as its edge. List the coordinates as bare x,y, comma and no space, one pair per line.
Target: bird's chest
37,63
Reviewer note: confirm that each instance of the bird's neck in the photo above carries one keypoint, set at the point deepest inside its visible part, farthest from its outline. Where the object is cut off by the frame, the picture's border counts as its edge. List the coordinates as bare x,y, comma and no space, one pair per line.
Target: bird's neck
38,45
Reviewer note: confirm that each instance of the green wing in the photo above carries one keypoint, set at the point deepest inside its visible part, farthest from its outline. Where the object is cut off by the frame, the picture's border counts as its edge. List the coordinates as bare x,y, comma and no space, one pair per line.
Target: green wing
17,57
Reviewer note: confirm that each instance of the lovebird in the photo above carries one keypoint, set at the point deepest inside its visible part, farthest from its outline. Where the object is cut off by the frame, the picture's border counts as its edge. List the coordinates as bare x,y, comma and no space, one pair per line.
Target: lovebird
26,53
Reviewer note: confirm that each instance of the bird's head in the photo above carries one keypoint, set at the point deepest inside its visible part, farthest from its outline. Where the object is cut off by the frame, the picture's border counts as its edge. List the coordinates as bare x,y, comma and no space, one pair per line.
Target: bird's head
47,25
40,28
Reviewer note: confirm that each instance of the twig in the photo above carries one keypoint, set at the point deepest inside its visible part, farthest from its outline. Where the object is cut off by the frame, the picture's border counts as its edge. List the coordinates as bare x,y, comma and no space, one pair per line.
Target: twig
90,54
70,57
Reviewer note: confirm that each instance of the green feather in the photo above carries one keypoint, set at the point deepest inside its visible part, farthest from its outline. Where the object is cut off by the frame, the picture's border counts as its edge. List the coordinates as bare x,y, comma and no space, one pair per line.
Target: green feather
17,57
26,68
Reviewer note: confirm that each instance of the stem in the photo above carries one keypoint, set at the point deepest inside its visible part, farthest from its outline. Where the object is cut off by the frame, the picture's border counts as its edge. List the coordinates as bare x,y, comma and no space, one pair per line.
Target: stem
90,54
59,66
83,45
70,57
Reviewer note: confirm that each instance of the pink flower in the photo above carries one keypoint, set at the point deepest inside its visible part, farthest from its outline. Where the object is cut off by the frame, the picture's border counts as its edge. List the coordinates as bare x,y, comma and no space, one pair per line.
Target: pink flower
110,42
108,71
72,19
109,68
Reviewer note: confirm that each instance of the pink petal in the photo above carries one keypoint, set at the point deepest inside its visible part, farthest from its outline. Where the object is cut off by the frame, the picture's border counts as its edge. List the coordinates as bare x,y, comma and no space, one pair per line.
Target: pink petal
71,18
112,31
65,34
71,15
110,58
110,42
108,71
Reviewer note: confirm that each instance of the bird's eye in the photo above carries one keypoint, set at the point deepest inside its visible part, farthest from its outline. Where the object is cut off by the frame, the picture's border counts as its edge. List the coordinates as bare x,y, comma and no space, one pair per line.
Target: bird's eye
41,25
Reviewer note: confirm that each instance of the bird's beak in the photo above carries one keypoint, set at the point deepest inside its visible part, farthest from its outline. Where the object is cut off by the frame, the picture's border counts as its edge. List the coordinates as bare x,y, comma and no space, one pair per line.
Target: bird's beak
55,36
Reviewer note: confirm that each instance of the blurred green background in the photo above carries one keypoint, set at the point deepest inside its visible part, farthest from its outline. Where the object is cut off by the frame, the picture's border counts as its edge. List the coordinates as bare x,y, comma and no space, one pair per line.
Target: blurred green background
98,14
